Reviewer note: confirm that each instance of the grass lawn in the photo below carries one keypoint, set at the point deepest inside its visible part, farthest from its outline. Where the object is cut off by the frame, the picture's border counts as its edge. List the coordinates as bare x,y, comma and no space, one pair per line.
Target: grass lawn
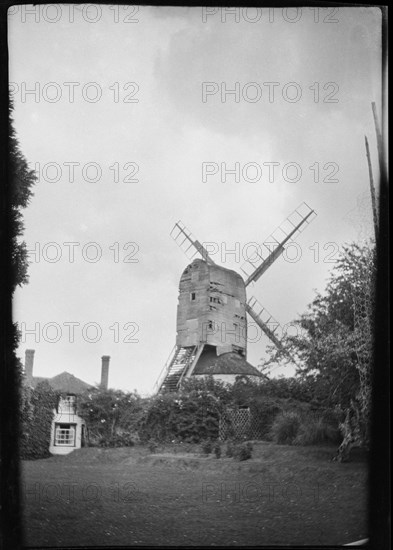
127,496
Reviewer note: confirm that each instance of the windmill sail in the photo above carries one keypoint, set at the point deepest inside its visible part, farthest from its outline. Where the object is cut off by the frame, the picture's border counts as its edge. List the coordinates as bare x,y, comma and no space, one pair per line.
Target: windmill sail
274,245
188,243
267,323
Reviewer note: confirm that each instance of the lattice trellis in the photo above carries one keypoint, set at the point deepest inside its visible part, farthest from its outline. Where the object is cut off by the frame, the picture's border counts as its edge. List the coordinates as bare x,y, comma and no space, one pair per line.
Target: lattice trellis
356,426
364,303
239,424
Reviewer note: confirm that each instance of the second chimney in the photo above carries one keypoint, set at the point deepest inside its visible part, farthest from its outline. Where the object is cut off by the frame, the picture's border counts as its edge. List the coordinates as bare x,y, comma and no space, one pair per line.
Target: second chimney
29,362
104,372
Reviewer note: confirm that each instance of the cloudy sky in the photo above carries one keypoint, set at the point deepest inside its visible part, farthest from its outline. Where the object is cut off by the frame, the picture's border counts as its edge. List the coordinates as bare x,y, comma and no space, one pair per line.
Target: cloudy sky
134,118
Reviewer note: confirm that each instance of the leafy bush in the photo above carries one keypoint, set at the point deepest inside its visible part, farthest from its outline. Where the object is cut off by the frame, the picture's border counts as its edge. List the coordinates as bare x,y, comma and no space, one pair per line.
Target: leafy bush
152,446
229,451
117,440
111,416
189,417
238,450
207,447
37,406
317,430
243,451
285,428
192,414
114,417
207,385
306,428
217,450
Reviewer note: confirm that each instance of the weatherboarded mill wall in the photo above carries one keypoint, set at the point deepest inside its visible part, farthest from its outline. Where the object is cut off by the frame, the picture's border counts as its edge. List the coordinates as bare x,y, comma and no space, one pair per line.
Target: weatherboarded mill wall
211,308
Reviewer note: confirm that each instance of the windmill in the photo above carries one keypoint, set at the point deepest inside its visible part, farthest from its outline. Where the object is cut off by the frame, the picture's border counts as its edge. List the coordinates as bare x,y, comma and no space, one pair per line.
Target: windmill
212,308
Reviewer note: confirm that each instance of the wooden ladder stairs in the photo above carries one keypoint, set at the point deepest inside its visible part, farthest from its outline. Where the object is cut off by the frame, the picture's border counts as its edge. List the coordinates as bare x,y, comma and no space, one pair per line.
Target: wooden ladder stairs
180,364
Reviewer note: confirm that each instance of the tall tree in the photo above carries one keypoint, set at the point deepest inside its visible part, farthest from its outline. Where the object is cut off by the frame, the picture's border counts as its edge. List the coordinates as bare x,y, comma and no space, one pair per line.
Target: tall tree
21,181
330,343
16,192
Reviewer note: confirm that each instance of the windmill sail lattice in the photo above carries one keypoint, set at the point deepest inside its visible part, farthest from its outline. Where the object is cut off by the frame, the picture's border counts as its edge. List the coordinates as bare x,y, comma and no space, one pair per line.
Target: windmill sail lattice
188,243
267,323
274,245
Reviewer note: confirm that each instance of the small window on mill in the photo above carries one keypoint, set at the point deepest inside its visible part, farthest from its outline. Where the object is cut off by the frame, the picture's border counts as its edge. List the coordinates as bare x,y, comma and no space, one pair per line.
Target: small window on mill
192,296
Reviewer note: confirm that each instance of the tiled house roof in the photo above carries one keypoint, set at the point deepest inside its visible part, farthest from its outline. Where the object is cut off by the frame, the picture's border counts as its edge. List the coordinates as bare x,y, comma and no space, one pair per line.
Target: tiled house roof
64,382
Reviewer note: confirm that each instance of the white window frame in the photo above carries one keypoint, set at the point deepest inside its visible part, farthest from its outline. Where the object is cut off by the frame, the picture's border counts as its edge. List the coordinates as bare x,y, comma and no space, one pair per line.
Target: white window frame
67,404
64,439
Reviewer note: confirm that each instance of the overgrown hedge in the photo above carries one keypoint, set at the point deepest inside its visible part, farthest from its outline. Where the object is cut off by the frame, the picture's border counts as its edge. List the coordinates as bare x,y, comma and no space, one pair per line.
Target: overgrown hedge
188,417
116,419
192,414
36,417
112,417
296,428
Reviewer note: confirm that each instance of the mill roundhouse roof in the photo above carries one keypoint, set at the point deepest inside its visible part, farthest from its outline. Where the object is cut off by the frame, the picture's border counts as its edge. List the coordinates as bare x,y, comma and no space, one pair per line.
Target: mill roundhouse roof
227,363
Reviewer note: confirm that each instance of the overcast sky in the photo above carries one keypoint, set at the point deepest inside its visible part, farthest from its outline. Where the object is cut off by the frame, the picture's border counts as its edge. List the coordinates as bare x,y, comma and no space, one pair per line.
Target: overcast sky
120,96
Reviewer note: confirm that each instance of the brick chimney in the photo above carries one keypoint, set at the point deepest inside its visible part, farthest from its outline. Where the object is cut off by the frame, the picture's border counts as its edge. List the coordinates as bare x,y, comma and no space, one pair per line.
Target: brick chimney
104,372
29,362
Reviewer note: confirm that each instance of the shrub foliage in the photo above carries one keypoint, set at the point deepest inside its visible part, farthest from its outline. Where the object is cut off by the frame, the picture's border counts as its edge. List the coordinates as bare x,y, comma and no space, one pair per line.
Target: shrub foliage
285,428
306,429
111,417
118,419
192,414
189,417
36,415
